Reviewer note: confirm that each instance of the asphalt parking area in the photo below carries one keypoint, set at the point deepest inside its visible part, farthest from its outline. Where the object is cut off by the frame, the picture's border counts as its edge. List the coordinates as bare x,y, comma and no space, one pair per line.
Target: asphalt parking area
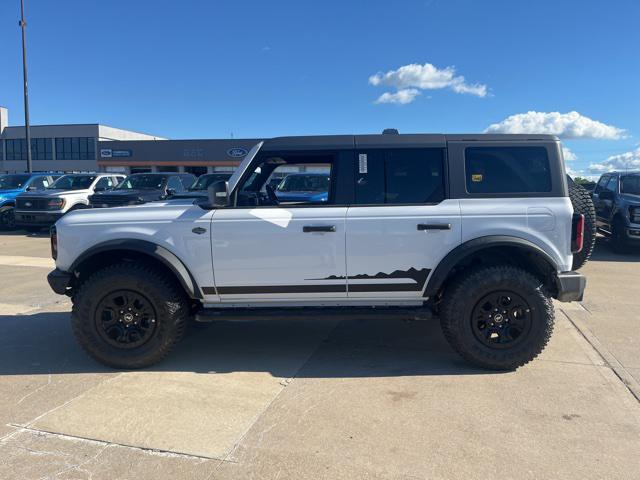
310,399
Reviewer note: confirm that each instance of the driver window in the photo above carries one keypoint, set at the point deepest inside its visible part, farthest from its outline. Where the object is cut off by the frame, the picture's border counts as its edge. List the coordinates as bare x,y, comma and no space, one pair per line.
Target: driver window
289,180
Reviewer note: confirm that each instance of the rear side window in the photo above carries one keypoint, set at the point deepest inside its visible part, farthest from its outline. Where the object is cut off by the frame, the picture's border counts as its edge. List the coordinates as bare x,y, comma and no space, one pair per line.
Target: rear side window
400,176
507,170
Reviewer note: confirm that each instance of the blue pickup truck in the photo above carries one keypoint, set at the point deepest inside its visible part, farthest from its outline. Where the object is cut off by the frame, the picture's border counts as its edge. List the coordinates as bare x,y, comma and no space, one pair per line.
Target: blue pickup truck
12,185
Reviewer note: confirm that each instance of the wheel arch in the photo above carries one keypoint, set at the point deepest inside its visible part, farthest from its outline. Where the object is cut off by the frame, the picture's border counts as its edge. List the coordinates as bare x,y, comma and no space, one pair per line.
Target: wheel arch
493,249
113,251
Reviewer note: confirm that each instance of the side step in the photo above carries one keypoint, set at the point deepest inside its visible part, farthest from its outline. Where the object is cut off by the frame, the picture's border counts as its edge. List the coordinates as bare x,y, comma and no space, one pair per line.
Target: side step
206,315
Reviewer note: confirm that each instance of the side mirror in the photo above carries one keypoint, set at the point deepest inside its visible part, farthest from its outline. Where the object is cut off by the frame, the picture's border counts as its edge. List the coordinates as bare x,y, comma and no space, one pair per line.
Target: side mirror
606,195
31,188
218,194
99,189
171,191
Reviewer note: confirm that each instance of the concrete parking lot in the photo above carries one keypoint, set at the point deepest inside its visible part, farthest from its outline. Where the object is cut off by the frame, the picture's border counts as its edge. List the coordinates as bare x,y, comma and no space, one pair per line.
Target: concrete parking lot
306,399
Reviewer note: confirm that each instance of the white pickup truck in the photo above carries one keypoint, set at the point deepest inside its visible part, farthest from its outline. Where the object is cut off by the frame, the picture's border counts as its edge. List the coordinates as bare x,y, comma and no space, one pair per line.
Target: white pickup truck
477,230
42,208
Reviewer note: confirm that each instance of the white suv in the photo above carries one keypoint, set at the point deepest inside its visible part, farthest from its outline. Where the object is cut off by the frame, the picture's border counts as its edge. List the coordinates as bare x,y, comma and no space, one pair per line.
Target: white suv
475,229
35,210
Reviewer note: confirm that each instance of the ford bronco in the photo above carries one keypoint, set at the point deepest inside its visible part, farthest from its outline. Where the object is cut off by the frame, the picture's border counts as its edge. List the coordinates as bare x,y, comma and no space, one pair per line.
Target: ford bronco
477,230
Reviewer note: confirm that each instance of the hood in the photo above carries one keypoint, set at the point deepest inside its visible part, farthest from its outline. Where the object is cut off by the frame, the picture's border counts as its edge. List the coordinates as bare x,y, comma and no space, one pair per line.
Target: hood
49,192
137,214
11,192
302,196
126,194
190,194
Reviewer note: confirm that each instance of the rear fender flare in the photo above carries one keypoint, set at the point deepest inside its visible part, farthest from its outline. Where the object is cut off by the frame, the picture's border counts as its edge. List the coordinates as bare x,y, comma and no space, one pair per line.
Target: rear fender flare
471,247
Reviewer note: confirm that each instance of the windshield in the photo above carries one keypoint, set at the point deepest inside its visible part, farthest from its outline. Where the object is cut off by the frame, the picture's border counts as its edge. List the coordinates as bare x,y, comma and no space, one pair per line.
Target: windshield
304,183
73,182
142,182
204,181
630,184
10,182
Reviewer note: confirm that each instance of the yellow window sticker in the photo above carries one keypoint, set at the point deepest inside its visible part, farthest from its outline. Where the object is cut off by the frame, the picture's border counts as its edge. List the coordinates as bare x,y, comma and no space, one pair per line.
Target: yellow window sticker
476,177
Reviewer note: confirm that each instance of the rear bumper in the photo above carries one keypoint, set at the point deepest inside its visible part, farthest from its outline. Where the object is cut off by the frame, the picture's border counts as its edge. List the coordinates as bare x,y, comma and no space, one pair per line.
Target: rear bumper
59,281
25,218
570,286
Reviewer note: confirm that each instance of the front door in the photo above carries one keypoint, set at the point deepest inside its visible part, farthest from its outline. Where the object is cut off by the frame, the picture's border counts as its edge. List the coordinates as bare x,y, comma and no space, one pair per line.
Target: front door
265,254
401,225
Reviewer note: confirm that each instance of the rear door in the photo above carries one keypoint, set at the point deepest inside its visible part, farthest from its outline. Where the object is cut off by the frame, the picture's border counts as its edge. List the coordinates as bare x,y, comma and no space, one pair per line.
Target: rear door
401,224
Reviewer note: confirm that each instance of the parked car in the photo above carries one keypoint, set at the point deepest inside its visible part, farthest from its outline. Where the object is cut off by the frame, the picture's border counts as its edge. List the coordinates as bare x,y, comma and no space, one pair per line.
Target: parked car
12,185
617,204
198,189
475,229
304,187
42,208
141,188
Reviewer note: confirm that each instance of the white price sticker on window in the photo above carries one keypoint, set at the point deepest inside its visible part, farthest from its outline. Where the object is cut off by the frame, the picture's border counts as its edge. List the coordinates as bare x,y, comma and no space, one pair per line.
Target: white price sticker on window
362,162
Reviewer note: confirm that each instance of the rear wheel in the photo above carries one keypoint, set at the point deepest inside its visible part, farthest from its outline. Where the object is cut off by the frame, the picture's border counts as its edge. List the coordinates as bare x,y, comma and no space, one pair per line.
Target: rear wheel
129,315
497,317
582,203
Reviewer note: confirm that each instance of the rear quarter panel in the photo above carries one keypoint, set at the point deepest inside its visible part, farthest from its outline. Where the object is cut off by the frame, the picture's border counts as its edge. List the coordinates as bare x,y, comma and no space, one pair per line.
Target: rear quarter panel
546,222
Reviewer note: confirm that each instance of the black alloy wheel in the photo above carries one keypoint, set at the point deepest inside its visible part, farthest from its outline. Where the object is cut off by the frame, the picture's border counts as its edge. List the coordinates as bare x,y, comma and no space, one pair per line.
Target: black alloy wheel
501,319
125,319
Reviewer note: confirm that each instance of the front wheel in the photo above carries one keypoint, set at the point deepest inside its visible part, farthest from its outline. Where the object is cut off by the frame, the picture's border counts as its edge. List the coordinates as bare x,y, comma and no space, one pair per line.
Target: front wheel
497,317
129,315
7,218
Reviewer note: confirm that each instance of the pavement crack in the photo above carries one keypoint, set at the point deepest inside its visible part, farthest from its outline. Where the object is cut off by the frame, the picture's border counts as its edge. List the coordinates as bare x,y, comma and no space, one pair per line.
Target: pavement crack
608,358
151,451
36,390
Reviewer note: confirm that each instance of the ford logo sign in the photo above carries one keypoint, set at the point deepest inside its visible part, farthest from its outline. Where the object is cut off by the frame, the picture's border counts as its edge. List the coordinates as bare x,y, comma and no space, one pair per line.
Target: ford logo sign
27,204
237,152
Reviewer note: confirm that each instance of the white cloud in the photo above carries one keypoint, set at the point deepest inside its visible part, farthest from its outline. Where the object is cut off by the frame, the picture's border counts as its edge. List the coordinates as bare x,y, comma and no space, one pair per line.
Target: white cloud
622,161
401,97
564,125
569,156
425,77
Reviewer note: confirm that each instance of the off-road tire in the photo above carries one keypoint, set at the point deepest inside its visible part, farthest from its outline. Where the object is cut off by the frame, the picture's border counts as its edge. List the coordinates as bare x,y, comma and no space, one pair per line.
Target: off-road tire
169,302
7,218
582,203
617,241
463,295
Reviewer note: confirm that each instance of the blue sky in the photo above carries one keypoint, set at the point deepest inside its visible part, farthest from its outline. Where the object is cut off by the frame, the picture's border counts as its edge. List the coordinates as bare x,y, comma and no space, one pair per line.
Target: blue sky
207,69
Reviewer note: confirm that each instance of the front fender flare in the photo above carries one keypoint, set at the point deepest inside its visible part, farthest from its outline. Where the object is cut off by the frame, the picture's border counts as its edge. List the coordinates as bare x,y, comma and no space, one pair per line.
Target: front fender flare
163,255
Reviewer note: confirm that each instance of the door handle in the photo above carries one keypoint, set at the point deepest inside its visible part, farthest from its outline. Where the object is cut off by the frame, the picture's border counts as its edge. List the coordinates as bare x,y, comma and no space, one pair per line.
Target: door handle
434,226
318,228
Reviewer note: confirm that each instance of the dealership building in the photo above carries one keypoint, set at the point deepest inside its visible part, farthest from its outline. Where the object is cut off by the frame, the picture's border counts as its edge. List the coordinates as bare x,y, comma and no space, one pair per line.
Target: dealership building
193,156
96,147
63,148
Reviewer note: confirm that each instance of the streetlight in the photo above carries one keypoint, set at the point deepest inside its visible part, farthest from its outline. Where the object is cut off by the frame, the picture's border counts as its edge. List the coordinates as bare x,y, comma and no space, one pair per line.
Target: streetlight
27,129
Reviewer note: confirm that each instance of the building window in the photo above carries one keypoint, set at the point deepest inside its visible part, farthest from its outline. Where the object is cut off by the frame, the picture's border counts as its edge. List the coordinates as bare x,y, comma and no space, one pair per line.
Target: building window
40,149
76,148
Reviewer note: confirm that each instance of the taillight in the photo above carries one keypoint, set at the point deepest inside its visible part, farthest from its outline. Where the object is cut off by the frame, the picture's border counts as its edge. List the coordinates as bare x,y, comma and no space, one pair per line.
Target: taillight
54,242
577,233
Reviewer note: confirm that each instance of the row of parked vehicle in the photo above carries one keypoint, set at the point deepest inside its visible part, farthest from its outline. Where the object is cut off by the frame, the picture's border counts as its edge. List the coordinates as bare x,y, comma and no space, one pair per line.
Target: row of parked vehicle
38,200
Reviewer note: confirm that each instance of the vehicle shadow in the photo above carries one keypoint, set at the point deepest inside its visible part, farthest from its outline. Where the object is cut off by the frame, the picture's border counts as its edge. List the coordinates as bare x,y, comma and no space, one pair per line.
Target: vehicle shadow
42,343
602,252
23,233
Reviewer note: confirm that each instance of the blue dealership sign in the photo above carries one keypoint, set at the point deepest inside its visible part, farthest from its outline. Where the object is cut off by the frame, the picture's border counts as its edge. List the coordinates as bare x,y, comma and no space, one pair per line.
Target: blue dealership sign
237,152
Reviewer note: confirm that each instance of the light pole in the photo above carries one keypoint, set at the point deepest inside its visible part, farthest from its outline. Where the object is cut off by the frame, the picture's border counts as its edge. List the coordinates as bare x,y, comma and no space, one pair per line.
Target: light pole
27,128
